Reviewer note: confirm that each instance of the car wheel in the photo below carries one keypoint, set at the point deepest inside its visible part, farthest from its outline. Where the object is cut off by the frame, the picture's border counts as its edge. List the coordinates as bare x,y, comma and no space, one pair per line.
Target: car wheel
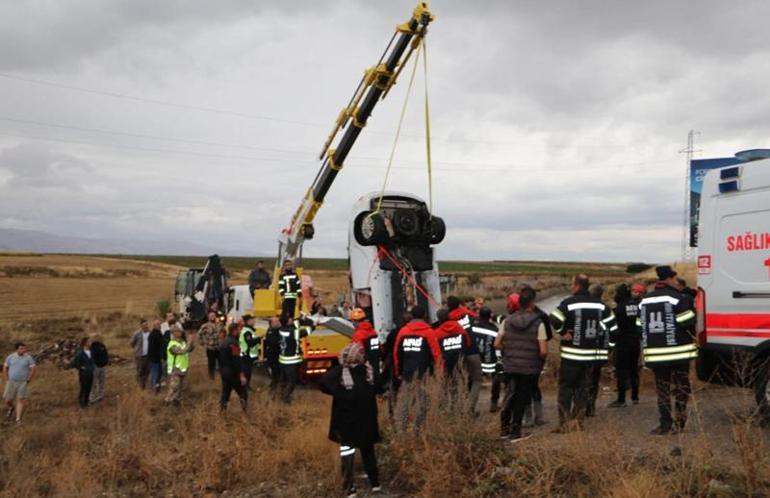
406,222
369,229
436,230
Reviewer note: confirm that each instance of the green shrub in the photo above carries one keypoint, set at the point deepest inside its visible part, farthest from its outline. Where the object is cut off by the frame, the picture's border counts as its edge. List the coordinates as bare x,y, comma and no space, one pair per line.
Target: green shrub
637,267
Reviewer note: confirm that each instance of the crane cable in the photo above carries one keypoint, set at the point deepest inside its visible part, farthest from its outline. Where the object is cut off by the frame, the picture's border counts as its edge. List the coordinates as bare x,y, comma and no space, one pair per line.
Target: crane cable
421,49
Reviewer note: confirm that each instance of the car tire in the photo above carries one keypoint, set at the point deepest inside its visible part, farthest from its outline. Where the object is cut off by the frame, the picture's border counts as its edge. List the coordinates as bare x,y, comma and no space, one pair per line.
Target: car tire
406,222
436,229
369,229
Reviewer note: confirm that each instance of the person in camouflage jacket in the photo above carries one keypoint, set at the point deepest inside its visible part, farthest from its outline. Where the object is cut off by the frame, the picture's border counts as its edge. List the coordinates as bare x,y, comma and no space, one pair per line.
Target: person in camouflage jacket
209,335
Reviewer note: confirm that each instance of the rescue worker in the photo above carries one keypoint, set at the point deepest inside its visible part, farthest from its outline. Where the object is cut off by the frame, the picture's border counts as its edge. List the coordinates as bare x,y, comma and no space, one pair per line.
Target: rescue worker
259,278
523,342
231,369
597,291
248,342
290,355
582,322
415,353
483,333
209,338
353,423
366,336
627,342
272,353
498,380
288,288
454,343
665,317
465,318
533,415
177,363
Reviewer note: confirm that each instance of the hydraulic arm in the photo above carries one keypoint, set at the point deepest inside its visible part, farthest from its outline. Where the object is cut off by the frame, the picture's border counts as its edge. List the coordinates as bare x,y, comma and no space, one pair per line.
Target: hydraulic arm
373,87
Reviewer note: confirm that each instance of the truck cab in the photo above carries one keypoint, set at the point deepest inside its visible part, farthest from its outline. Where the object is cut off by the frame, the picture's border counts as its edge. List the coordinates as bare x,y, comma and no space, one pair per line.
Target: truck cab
733,263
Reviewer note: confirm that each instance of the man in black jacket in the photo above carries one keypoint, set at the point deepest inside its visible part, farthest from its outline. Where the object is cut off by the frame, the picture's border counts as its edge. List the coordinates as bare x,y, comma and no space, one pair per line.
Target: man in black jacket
272,351
101,358
84,364
156,350
627,342
231,369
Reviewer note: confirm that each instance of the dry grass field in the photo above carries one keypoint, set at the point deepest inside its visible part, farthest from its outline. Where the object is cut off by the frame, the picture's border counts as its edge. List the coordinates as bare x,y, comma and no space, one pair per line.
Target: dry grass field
132,445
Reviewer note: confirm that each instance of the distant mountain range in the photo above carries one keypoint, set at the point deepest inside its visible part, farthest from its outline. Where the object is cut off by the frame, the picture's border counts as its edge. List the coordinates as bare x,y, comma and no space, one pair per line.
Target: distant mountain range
15,240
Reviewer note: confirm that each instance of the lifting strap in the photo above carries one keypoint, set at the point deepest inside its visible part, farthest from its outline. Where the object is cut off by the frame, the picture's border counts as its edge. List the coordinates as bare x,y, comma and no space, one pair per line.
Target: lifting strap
427,128
398,128
384,252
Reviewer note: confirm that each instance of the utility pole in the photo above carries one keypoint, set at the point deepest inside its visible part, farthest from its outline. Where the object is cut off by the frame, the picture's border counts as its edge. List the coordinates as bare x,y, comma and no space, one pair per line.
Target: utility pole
687,252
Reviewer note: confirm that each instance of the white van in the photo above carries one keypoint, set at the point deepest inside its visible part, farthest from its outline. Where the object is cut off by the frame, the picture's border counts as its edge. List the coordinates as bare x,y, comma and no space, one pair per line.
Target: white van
734,278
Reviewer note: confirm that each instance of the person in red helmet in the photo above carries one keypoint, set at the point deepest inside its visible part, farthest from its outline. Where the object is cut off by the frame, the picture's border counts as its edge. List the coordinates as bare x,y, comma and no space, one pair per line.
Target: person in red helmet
465,317
366,336
415,353
498,379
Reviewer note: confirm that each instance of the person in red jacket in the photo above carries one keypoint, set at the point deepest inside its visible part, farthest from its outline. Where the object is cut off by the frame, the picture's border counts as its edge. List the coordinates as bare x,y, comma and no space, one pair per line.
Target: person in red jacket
367,337
465,317
415,353
453,341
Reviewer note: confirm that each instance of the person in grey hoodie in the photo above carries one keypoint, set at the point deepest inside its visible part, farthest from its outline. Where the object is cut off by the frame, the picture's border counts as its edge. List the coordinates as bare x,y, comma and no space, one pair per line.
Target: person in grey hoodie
524,348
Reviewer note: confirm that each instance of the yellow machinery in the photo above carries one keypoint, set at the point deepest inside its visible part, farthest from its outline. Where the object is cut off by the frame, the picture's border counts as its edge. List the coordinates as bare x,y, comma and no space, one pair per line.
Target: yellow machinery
323,346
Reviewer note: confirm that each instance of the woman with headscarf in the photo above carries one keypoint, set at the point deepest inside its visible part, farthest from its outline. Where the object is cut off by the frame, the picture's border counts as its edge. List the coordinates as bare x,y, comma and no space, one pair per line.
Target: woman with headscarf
354,413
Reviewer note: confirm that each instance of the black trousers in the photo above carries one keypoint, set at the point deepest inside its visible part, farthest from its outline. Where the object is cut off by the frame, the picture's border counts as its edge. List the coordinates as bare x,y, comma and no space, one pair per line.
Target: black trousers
247,364
627,368
348,455
593,389
289,378
274,372
232,383
574,384
520,389
498,379
86,382
212,355
677,376
287,307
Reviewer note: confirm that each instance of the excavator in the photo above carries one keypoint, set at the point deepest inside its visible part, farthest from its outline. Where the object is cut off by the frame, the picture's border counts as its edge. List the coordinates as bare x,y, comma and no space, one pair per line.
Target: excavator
392,263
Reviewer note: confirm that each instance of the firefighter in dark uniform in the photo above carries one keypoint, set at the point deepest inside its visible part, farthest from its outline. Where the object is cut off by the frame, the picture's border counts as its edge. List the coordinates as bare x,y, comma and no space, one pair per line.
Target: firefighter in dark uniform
582,322
483,333
627,342
597,291
290,355
666,317
288,288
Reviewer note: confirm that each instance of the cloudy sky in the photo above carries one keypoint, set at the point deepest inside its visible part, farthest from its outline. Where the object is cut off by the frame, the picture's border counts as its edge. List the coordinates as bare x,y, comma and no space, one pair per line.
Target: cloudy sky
557,125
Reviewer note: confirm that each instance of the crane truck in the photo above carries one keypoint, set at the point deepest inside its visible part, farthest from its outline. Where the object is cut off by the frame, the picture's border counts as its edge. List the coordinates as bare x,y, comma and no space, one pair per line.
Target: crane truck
392,261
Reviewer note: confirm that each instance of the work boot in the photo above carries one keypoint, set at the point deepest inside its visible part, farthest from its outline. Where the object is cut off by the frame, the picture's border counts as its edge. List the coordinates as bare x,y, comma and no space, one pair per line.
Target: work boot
661,430
539,418
617,404
494,407
590,410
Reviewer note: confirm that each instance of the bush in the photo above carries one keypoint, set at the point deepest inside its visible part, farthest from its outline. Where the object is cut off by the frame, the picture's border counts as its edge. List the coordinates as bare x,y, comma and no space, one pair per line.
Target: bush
163,306
637,267
473,279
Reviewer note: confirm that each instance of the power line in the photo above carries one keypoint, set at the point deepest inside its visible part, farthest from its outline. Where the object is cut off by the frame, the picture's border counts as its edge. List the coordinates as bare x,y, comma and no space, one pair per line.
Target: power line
243,115
220,144
469,169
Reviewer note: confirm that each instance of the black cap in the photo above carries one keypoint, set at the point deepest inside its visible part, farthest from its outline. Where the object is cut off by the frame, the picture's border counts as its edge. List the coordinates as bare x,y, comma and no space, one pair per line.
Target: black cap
664,272
246,318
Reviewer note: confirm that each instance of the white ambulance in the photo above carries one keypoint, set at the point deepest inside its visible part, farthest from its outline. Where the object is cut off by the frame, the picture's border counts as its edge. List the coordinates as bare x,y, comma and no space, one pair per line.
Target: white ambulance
734,278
